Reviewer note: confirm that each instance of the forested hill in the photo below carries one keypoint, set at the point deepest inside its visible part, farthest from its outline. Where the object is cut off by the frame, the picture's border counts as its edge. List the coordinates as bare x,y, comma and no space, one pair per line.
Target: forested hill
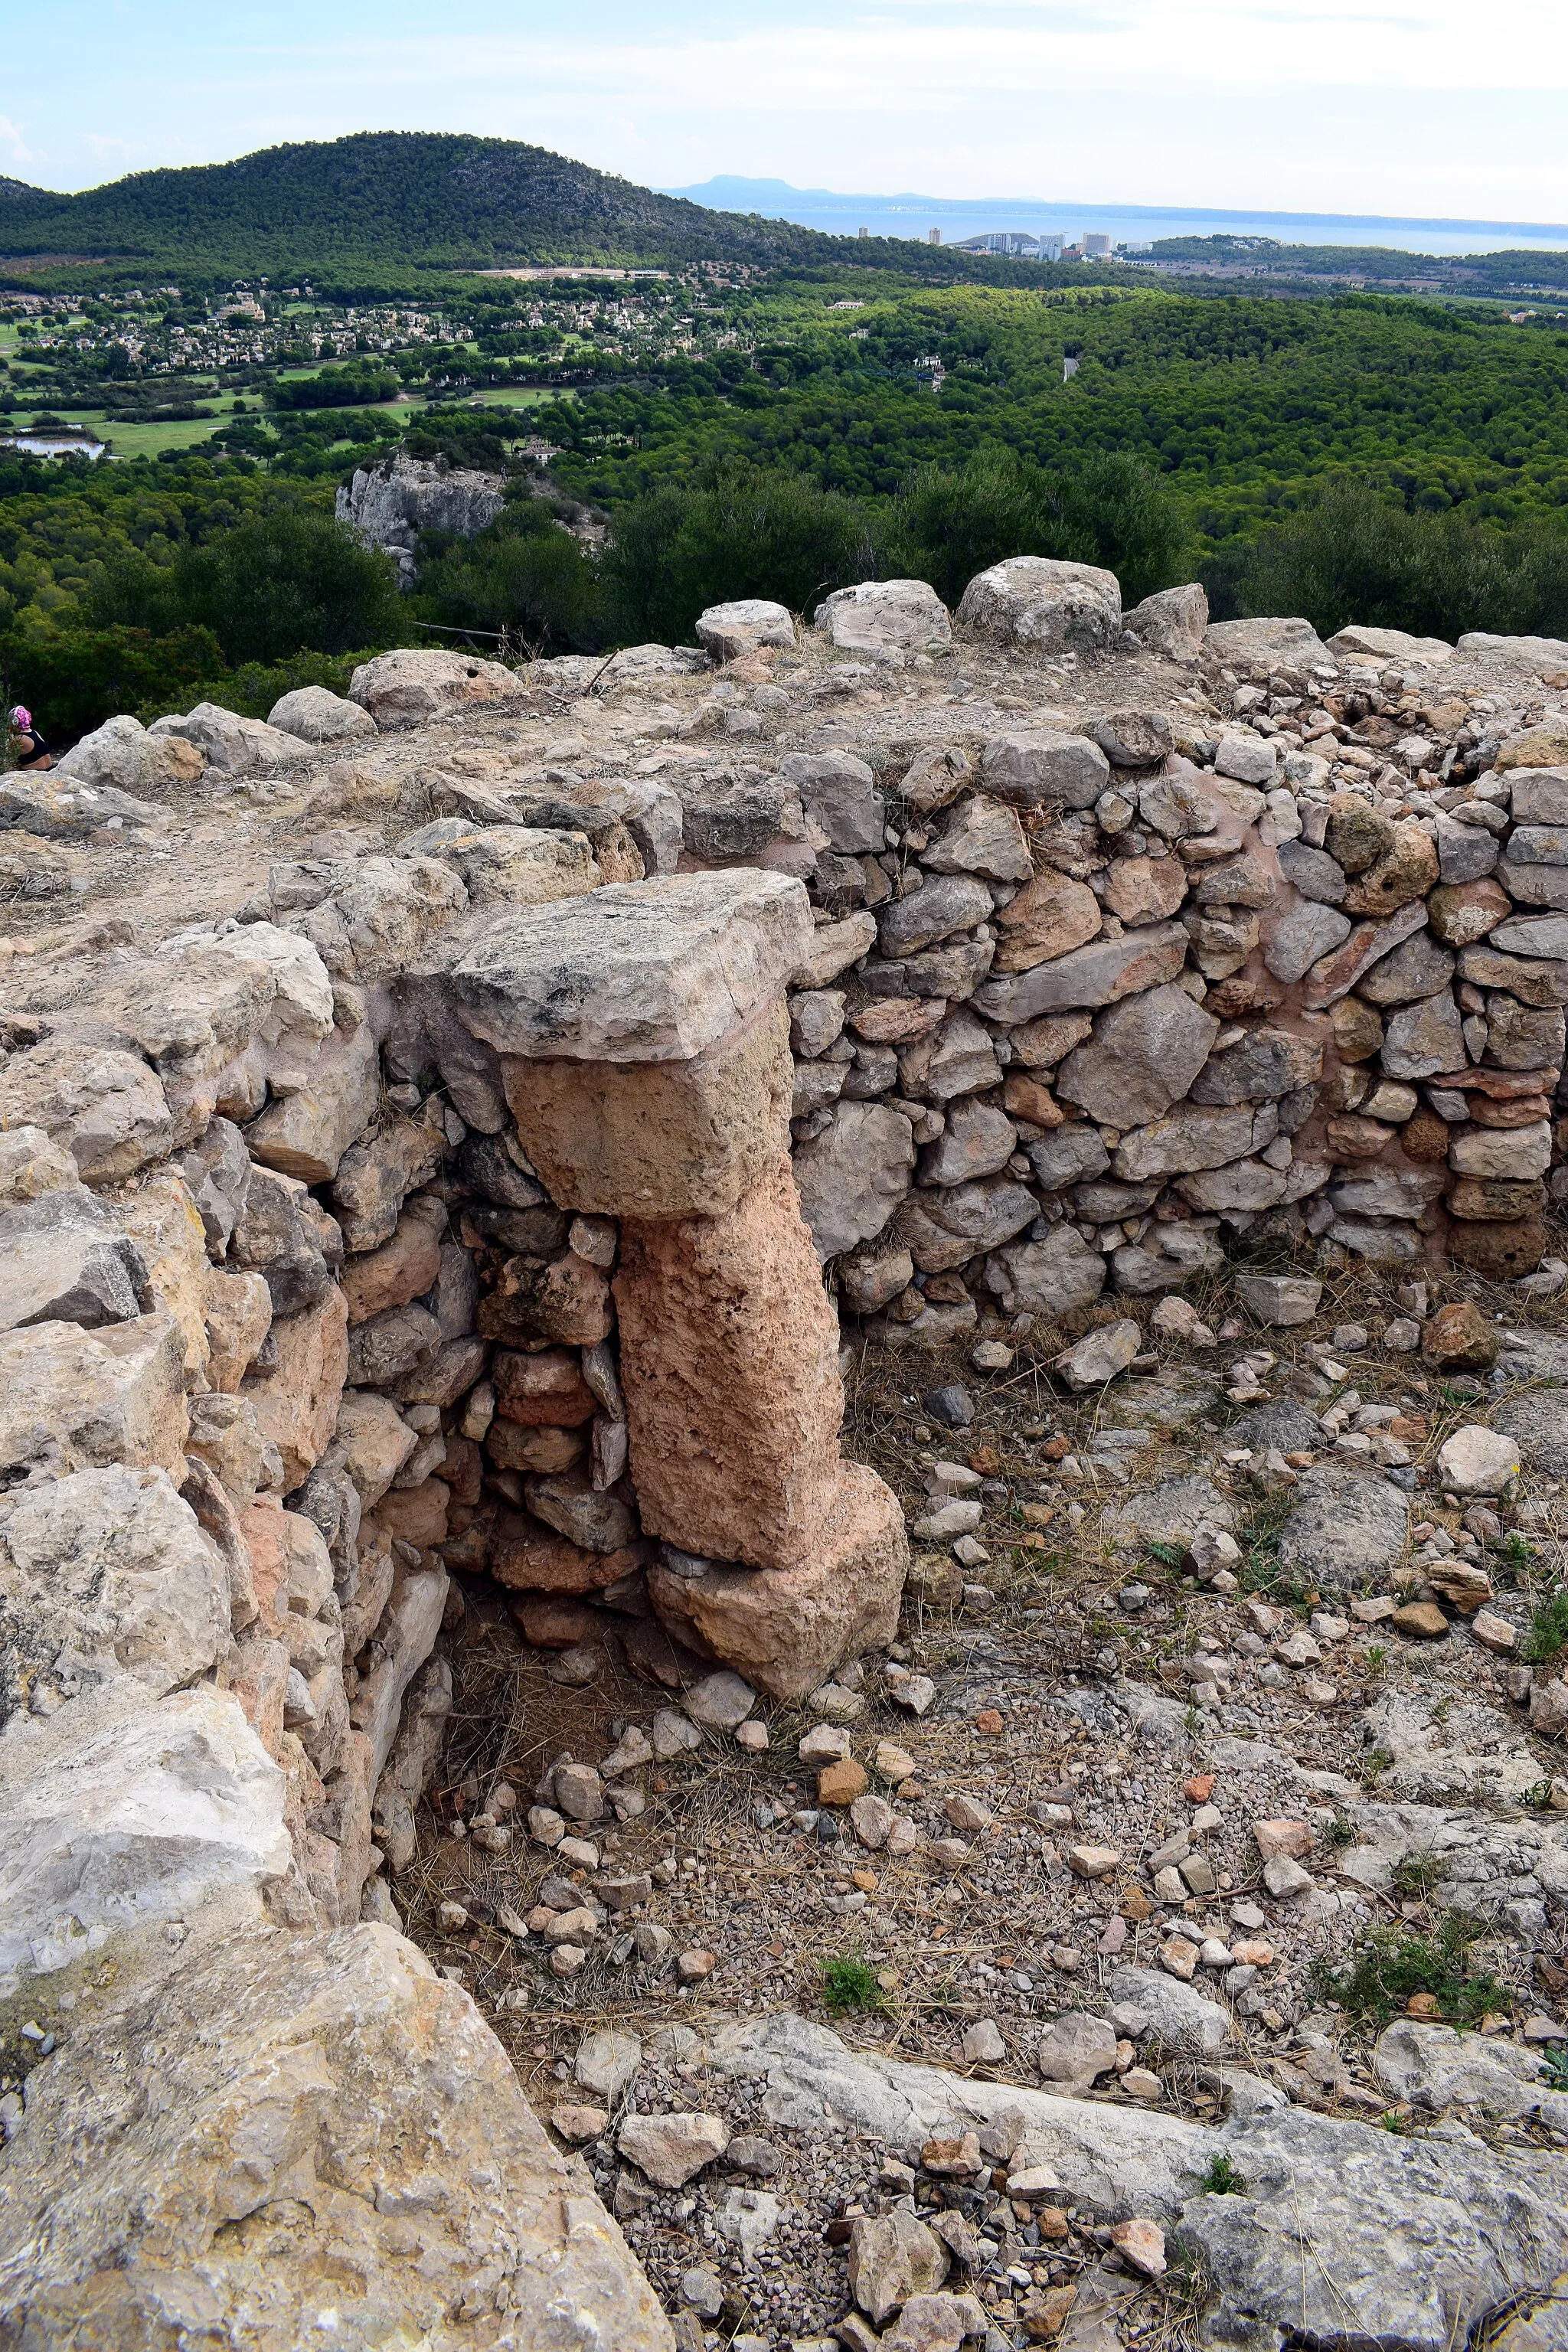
385,200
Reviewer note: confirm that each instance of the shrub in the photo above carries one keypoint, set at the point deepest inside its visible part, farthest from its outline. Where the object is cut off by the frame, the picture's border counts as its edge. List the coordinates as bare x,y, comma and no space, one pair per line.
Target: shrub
1548,1630
254,687
74,679
1387,1967
288,581
1354,555
737,531
947,524
848,1984
524,575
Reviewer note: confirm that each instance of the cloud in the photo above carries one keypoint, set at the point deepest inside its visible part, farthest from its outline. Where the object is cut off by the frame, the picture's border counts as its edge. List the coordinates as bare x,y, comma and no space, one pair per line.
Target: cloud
1276,104
12,144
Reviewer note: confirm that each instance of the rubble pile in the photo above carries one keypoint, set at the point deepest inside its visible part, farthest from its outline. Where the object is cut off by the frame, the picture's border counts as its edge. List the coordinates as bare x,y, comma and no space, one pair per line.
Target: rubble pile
421,1143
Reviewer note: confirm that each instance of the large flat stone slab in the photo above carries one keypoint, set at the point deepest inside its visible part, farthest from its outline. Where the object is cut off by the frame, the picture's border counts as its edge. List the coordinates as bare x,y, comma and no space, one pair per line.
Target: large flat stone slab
1341,2233
640,971
337,2151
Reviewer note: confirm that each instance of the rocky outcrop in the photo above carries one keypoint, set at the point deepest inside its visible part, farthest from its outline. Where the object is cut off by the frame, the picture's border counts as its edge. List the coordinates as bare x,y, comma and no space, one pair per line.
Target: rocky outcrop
389,505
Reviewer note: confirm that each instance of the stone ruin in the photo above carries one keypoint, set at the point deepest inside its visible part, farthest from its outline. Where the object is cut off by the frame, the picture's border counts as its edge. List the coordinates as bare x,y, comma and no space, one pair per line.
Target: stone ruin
456,1200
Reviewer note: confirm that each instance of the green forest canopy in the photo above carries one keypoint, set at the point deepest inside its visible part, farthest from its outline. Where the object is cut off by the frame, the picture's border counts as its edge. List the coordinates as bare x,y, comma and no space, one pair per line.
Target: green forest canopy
1197,438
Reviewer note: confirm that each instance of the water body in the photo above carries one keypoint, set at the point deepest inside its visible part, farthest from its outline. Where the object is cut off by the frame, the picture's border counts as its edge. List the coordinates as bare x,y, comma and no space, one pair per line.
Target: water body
53,444
915,215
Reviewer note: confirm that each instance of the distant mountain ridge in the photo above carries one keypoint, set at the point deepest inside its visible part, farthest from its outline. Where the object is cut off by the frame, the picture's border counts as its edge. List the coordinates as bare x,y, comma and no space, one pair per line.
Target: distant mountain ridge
414,198
399,198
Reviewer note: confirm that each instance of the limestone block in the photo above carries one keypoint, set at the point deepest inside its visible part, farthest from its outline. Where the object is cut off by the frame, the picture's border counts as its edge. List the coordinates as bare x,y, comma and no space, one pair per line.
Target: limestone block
1300,936
1312,872
398,1648
957,1058
1144,1054
509,865
287,1238
840,792
404,1268
386,1348
427,1704
409,688
1505,1151
1145,889
30,1166
641,972
378,923
546,1391
1049,917
1264,643
1259,1067
729,1362
106,1569
107,1108
1100,973
902,615
1171,621
564,1304
525,1555
225,1435
306,2154
63,1259
375,1441
852,1176
1424,1038
306,1131
1045,764
297,1401
1337,972
122,757
374,1177
1540,795
234,745
123,1810
786,1628
1046,1277
1192,1136
729,631
74,1399
954,902
1465,853
317,716
164,1224
941,1227
1035,601
658,1139
237,1311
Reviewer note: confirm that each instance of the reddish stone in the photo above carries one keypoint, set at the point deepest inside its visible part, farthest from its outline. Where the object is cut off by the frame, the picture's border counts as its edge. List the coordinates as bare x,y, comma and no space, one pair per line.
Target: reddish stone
728,1362
545,1390
526,1556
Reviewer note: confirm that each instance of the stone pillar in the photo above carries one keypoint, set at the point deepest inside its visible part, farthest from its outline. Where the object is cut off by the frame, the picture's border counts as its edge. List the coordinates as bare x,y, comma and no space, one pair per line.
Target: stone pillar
645,1055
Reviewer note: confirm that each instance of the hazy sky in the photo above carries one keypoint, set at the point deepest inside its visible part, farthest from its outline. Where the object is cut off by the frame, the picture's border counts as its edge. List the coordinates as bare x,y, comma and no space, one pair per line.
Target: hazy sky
1429,107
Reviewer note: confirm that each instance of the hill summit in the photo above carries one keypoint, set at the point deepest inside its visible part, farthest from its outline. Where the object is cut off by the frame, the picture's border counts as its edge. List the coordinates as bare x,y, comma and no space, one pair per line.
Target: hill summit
432,200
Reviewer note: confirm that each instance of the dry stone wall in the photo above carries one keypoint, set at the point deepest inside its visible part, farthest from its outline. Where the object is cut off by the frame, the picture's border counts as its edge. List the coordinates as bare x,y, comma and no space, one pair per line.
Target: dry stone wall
455,1201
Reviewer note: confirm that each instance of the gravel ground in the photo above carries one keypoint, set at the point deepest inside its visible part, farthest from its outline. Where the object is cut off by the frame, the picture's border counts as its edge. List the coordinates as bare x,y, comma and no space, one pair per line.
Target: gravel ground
1064,1710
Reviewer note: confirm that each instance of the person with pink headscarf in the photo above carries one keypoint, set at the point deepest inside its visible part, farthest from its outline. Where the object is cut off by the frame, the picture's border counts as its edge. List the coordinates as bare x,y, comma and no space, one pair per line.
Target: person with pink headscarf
28,738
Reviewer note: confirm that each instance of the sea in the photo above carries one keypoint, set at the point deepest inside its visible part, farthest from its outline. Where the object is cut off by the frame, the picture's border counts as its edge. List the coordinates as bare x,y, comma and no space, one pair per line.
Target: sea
1125,224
